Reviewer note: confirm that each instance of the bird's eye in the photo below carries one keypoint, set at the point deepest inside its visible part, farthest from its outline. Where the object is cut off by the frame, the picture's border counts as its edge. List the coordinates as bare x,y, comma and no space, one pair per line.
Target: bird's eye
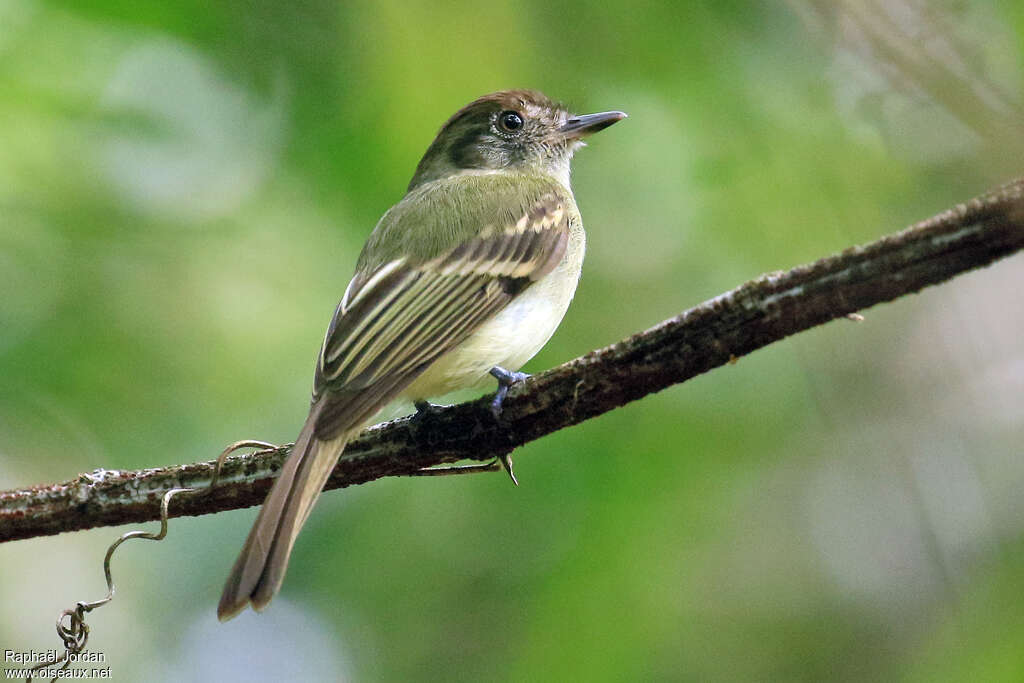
510,120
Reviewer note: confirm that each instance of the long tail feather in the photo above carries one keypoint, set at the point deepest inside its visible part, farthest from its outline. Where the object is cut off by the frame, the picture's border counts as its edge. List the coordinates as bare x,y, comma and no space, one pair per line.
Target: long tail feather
260,567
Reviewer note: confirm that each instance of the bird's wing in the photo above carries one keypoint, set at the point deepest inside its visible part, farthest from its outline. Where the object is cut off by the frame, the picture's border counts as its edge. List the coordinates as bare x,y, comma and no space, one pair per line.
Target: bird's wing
399,317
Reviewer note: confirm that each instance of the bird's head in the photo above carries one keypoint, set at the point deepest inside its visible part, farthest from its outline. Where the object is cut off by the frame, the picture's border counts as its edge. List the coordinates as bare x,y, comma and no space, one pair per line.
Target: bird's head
513,130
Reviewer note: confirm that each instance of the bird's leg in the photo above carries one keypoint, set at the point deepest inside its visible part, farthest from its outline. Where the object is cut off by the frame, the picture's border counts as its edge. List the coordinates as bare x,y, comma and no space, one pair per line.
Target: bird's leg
505,379
262,446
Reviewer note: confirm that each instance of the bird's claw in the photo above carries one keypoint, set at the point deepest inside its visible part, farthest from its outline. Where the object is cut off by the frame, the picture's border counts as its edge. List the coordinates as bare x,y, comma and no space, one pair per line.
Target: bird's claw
505,379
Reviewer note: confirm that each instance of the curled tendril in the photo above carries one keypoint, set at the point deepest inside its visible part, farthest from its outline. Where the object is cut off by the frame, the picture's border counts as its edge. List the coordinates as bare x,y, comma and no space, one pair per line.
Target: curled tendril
71,626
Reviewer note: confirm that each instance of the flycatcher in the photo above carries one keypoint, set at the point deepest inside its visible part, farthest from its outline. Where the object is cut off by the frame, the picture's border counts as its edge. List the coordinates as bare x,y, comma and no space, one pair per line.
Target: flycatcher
468,275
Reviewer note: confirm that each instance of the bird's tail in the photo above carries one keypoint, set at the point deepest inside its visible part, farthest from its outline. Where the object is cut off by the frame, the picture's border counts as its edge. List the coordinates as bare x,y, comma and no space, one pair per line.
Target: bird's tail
259,569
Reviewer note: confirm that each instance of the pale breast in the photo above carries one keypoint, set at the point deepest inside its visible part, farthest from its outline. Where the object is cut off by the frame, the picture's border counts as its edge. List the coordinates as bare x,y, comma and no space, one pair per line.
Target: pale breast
513,336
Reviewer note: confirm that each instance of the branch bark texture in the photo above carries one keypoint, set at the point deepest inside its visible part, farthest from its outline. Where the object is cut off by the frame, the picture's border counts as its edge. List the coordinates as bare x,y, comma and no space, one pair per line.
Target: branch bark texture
754,315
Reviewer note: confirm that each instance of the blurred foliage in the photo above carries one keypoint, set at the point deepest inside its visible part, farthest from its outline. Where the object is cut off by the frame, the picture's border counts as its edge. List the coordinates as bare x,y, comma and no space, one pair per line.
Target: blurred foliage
184,188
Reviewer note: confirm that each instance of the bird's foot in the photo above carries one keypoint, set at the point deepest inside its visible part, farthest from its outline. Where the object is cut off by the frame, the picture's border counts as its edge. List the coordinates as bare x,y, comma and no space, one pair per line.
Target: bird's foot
505,379
260,446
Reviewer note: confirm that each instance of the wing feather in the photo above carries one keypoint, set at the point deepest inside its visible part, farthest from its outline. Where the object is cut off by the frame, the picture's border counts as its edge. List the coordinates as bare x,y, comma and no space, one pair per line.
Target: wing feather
419,318
398,319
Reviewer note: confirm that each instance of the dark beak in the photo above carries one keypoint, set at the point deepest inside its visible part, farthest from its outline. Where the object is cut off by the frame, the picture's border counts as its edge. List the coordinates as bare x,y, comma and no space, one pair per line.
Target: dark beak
581,126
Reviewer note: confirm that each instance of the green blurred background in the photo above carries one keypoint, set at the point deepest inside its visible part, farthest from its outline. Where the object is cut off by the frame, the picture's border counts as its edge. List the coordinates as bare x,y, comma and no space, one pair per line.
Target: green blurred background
184,188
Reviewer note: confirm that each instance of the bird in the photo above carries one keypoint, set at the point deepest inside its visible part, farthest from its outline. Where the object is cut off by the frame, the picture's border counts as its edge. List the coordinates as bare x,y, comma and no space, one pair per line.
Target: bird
465,278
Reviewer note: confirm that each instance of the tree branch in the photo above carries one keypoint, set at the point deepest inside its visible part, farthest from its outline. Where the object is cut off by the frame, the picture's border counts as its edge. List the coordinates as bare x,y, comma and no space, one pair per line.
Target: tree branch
716,332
